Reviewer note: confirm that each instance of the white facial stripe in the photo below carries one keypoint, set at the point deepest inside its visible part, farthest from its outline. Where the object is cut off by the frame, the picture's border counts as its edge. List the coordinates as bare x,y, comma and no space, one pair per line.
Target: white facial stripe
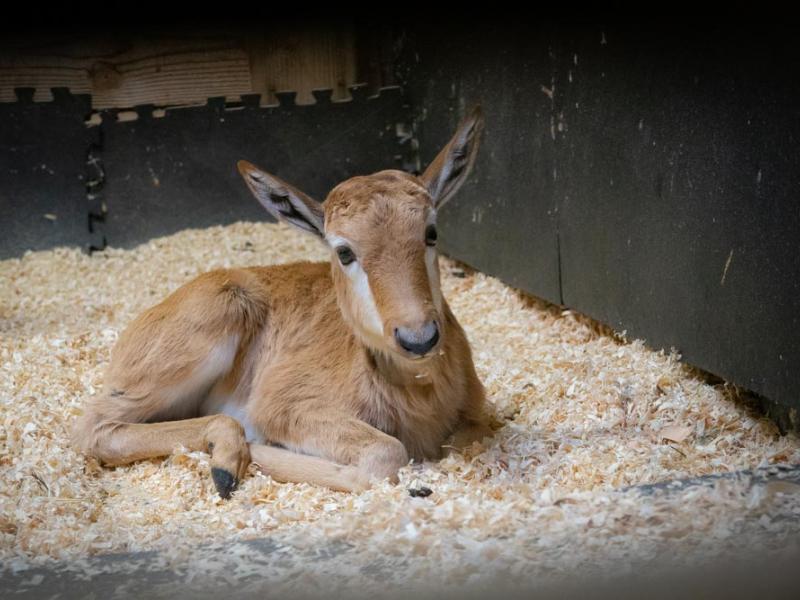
369,316
431,220
366,311
335,240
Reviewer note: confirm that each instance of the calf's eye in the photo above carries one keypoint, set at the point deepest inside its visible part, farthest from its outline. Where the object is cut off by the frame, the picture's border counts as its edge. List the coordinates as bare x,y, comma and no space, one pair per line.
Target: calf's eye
430,235
346,255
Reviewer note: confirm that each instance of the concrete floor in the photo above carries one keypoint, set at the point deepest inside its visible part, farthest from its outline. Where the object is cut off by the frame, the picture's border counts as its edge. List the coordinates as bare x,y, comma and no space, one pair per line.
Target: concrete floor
265,568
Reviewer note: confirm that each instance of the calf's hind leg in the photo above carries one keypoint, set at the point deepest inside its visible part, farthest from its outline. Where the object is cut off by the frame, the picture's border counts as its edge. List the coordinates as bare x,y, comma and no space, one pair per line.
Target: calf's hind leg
162,367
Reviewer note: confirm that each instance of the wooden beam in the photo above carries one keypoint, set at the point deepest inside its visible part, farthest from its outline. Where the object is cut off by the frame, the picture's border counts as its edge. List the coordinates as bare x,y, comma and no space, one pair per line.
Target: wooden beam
177,69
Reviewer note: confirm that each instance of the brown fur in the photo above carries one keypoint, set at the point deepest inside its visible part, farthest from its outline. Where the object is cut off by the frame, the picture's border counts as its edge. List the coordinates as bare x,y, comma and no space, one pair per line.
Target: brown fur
287,349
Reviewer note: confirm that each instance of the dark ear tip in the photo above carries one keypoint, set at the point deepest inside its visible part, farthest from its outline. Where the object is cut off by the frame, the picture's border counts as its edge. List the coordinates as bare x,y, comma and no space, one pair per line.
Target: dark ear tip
476,114
245,167
474,121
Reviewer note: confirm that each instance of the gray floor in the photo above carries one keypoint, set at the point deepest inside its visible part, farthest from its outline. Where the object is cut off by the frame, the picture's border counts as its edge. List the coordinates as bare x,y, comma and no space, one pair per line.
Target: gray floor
253,568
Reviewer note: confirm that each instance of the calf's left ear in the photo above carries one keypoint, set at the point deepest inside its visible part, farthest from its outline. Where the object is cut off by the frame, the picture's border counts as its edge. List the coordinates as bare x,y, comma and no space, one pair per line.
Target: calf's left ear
283,201
451,167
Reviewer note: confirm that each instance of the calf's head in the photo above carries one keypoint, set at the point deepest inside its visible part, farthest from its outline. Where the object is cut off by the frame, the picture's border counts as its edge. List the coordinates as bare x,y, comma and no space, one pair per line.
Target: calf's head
381,230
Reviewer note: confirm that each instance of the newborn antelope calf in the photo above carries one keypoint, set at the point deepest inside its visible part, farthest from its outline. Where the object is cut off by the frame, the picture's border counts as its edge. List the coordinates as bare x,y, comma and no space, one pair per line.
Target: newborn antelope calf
328,373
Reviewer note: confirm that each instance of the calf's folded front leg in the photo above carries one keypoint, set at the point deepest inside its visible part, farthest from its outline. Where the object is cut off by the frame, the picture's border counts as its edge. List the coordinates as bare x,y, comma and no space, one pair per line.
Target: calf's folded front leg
291,467
370,454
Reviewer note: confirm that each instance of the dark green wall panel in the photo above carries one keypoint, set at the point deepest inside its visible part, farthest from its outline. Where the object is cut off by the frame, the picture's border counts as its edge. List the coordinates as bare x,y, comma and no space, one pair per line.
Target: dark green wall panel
646,176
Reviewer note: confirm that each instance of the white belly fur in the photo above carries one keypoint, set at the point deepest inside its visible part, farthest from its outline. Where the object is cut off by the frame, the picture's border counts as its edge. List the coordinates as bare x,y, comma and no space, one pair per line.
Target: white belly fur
182,398
217,403
234,407
237,411
219,362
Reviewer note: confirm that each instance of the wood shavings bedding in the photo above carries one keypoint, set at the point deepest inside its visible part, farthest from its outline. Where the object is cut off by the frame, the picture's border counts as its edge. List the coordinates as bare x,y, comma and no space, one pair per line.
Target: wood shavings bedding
584,415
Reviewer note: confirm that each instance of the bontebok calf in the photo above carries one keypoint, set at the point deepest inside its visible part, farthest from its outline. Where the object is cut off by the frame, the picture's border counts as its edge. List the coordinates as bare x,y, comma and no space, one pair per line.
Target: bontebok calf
329,373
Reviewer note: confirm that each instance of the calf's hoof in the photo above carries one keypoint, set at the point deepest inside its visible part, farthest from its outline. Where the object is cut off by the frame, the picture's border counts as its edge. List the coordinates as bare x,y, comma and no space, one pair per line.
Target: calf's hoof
224,481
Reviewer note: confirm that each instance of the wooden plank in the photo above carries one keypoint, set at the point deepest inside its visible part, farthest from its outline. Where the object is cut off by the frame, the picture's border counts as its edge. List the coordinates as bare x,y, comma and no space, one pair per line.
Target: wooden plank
302,60
129,72
177,69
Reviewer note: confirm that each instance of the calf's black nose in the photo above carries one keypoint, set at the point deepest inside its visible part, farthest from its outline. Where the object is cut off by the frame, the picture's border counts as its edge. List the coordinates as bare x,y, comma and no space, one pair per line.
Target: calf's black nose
418,341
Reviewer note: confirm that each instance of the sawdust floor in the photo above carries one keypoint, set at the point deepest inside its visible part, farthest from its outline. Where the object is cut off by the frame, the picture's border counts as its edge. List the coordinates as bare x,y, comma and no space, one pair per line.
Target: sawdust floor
586,416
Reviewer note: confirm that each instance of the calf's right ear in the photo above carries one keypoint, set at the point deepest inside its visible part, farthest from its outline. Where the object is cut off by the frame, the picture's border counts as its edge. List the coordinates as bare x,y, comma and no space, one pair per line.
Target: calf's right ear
283,201
452,165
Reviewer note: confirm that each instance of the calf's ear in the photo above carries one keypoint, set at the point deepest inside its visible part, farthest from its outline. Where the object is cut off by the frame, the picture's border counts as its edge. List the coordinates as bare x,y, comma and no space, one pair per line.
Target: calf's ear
283,201
451,167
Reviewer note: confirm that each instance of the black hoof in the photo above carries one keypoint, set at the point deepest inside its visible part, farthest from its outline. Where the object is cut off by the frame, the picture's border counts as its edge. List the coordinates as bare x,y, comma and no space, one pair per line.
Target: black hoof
224,481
